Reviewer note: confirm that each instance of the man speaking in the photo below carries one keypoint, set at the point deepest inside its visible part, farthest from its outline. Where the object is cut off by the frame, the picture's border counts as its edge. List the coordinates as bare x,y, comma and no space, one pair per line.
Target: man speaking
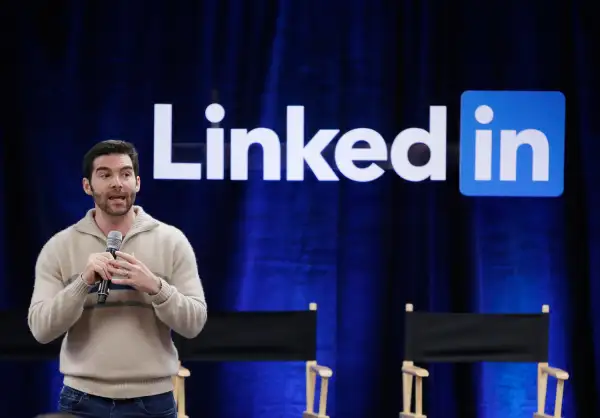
118,357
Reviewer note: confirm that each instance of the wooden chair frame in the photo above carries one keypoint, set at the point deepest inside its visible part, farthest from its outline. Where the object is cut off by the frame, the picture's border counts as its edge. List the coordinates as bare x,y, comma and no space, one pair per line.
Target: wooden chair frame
312,370
179,390
410,372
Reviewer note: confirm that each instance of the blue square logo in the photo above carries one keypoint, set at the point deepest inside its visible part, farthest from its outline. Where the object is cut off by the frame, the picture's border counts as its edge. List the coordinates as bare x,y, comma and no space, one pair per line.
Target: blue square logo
512,143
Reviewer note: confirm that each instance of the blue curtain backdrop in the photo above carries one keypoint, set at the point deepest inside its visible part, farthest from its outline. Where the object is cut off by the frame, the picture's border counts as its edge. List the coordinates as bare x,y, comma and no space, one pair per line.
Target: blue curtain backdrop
74,73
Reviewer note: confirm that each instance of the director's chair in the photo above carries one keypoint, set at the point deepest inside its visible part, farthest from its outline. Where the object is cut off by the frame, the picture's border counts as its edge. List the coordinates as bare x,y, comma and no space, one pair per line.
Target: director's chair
470,338
227,336
258,336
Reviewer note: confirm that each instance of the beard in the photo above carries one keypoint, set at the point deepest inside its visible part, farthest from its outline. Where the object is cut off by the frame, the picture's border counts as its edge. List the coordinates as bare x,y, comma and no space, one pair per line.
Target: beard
117,207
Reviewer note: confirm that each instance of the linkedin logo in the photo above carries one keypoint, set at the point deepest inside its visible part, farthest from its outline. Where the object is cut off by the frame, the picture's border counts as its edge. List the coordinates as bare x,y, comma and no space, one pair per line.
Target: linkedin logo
512,143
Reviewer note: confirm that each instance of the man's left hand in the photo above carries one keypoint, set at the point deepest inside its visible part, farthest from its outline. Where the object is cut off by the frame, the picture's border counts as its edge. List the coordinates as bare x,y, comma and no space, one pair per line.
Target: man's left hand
134,273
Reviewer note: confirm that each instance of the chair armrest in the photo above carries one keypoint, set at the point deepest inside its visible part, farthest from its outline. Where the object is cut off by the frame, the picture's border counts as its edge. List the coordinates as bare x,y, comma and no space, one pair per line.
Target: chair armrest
183,372
312,370
555,372
415,371
322,371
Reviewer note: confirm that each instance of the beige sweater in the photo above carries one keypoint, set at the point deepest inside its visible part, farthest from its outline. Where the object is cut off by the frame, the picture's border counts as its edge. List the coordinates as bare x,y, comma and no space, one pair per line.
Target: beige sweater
122,349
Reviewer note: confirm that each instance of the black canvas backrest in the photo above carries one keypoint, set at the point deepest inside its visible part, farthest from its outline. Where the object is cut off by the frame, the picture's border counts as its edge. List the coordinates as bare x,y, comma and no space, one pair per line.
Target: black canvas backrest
17,342
254,336
227,336
468,337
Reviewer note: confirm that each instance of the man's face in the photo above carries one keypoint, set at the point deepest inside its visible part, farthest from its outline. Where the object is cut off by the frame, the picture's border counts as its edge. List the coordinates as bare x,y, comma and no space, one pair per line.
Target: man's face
113,185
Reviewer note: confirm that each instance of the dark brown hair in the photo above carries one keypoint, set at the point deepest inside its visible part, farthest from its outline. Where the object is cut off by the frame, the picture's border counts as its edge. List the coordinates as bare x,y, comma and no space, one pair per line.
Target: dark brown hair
108,147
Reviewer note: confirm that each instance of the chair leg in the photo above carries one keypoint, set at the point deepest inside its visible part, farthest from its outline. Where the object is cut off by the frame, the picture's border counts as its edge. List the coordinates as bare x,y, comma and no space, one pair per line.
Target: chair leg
407,381
560,387
175,388
407,389
407,395
542,388
179,394
312,369
181,401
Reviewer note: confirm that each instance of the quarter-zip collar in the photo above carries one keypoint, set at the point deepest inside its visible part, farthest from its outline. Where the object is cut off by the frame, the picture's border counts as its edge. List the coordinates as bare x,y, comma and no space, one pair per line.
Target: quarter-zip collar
143,222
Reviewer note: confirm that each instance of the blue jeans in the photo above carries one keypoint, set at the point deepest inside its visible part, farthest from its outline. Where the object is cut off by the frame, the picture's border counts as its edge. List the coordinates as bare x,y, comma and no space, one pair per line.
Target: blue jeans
83,405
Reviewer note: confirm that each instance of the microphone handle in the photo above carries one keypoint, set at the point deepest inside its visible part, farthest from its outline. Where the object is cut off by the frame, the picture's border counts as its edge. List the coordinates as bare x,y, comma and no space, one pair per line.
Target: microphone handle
104,286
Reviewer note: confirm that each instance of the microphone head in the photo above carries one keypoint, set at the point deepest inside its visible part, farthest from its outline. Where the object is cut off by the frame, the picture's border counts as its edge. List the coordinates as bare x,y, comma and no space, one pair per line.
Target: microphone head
114,240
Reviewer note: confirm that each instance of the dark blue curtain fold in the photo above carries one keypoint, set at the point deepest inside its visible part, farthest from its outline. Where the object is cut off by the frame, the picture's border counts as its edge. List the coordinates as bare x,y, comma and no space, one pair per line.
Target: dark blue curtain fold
75,73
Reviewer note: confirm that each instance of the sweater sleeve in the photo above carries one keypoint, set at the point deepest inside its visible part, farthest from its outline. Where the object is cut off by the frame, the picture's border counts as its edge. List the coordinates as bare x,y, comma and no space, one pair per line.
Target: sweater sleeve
54,307
180,304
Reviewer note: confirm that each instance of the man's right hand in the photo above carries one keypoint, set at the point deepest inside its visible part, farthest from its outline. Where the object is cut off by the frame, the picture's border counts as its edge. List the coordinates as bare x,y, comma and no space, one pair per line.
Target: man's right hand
97,264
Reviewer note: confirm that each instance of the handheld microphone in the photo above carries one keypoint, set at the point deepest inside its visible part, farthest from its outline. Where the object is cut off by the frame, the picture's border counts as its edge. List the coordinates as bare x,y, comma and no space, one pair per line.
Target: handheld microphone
113,244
